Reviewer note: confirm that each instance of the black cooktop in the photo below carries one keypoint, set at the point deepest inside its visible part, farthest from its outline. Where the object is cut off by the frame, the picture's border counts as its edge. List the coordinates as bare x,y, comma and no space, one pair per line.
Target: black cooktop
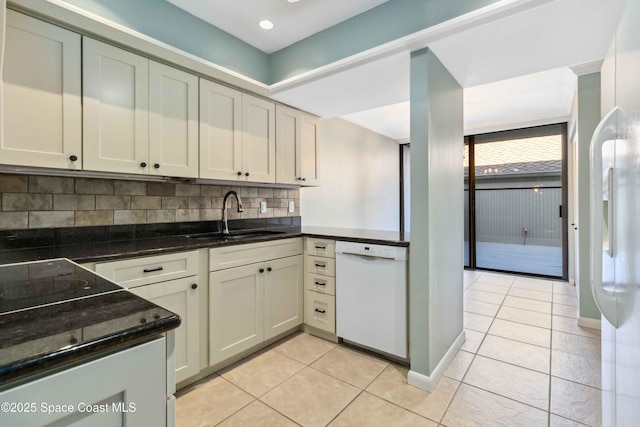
34,284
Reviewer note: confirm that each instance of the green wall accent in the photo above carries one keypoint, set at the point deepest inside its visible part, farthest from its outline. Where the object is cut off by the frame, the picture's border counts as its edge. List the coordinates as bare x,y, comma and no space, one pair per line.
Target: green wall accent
588,119
165,22
389,21
437,223
382,24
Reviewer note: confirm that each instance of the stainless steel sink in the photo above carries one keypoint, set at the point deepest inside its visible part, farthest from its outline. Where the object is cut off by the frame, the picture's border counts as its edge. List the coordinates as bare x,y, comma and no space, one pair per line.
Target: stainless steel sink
237,235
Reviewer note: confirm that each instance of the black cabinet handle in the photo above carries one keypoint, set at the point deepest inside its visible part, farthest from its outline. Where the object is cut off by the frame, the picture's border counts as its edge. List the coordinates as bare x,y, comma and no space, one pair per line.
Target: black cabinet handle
321,265
246,174
143,165
73,158
239,173
269,268
321,247
321,284
194,286
304,179
320,311
156,165
261,270
151,270
299,178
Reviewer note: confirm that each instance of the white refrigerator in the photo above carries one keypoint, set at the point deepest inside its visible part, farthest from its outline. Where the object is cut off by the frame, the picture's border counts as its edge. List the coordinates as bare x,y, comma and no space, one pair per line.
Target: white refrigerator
615,228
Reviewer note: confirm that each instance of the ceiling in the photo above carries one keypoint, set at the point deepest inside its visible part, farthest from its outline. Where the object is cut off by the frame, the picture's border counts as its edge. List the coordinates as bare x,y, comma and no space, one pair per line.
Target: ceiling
293,21
514,70
513,66
531,100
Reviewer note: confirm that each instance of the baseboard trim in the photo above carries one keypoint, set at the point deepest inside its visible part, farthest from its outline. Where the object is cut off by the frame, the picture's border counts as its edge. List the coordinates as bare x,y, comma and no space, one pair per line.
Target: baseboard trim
587,322
429,382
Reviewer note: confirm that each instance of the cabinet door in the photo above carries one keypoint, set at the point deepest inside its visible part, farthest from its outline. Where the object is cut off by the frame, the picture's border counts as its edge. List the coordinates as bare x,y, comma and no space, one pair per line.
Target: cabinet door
283,295
173,122
258,139
287,149
309,150
180,297
236,313
128,387
41,109
115,106
220,132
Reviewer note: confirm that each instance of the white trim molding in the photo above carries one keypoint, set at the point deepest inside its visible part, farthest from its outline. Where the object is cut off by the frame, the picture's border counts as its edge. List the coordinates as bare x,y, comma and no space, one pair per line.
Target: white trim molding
587,68
587,322
430,382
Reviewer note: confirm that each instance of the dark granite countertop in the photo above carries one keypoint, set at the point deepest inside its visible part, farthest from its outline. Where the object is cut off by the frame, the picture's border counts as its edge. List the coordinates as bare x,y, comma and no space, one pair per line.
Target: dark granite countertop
381,237
96,244
36,340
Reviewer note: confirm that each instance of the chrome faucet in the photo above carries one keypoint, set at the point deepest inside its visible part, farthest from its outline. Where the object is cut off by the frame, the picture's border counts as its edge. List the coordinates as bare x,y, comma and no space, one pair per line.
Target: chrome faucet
225,225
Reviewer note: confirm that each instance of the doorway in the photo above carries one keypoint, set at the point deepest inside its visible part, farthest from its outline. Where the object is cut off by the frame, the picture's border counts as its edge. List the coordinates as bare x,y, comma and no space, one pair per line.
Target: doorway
515,193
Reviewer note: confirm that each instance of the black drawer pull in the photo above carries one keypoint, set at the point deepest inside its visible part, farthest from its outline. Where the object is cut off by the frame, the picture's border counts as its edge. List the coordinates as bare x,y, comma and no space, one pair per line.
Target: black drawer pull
321,247
73,158
261,270
320,284
194,286
151,270
320,311
321,265
269,268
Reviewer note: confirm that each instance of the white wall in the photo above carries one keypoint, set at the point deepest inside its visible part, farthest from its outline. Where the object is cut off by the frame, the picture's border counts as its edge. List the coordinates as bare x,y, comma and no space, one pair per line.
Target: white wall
359,180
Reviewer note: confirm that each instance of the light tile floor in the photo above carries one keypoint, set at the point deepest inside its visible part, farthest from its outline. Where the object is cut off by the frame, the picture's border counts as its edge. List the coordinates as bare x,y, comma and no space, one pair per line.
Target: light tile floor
525,362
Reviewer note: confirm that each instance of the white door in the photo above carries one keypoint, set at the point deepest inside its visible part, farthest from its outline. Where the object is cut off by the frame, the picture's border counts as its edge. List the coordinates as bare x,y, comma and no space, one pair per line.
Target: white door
283,295
116,109
173,122
220,132
258,139
181,297
236,313
309,150
41,108
287,145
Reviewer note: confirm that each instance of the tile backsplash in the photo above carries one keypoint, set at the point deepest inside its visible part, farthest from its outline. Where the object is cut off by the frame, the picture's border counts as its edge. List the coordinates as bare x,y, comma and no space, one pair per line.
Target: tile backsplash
30,201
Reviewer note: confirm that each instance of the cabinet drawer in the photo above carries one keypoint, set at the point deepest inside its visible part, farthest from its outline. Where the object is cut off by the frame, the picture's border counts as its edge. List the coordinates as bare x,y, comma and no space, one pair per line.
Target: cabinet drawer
237,255
142,271
320,311
320,265
320,283
320,247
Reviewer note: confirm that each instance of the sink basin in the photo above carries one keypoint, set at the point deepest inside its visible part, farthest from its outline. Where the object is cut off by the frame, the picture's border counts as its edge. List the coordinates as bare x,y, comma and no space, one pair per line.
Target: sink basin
234,235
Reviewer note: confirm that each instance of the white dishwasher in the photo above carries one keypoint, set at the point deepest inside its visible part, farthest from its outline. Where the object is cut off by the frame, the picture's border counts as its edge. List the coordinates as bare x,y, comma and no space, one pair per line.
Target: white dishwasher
371,296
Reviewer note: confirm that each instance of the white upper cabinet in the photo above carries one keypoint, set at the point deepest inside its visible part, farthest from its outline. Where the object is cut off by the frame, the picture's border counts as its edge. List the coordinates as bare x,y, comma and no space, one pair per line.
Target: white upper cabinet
173,121
220,132
116,109
297,147
41,104
237,135
140,117
258,139
309,149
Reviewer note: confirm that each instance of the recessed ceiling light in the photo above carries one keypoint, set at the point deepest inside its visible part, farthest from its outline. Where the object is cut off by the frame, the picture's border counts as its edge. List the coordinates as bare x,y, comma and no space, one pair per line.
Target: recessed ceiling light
265,24
293,1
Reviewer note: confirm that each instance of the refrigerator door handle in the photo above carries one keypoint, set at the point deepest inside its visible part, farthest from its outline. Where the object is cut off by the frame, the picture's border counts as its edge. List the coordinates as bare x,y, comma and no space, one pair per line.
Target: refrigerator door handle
606,131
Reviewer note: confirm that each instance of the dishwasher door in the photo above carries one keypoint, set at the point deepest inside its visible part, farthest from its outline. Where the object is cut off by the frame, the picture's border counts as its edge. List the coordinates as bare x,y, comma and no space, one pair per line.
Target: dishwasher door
371,297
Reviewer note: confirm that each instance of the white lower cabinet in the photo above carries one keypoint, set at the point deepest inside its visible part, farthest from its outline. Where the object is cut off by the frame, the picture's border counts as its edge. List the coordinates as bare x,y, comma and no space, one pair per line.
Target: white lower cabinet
170,281
127,388
181,297
320,284
252,303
